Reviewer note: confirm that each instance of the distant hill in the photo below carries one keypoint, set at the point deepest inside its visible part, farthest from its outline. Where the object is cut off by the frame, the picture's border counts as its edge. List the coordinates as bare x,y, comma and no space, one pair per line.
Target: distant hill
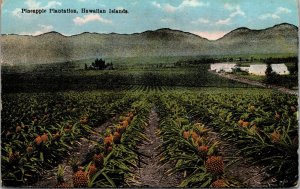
282,38
54,47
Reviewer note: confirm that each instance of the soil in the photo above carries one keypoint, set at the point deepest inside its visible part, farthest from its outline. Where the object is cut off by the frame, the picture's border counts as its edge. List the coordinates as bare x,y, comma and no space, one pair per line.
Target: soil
256,83
150,172
83,147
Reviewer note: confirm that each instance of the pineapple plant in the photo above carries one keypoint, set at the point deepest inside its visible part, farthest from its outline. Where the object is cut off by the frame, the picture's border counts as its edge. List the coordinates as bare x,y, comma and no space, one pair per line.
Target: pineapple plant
108,140
56,136
293,109
80,179
84,120
215,165
92,170
130,114
120,129
251,108
128,119
240,122
186,134
38,140
194,135
13,156
116,137
203,151
246,124
277,116
98,160
108,149
18,128
199,141
125,123
44,138
275,136
29,149
60,178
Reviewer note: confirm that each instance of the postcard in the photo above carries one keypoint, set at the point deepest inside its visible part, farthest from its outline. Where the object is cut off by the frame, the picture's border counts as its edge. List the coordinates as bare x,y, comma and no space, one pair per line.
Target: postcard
151,94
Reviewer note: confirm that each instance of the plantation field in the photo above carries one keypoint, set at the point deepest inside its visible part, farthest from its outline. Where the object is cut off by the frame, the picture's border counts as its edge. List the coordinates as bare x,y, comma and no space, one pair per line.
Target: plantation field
57,79
149,122
195,126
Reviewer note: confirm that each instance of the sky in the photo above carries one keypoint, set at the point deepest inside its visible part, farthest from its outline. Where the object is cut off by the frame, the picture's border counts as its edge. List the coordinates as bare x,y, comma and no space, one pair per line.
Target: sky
207,18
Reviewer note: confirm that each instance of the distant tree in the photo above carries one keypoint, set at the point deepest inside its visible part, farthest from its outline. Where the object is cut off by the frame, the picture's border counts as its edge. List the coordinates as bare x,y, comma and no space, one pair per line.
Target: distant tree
269,70
271,76
85,66
294,69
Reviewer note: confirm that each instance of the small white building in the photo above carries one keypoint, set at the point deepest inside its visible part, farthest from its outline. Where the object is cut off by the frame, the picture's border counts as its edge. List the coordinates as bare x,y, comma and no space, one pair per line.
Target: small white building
280,69
258,69
218,67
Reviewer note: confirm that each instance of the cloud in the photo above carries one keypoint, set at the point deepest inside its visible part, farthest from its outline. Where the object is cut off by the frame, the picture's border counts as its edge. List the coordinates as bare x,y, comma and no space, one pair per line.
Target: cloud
42,29
17,12
226,21
33,4
184,4
275,15
169,8
209,34
157,5
193,3
200,21
235,11
52,4
90,18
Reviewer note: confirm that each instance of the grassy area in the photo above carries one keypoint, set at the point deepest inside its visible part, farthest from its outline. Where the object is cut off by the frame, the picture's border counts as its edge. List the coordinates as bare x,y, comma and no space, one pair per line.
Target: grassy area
288,81
149,71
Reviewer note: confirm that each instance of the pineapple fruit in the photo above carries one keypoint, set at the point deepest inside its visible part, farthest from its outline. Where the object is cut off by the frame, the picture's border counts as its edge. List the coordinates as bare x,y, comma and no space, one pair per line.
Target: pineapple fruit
92,170
220,183
215,165
80,179
186,134
98,160
38,140
116,137
203,151
13,156
275,137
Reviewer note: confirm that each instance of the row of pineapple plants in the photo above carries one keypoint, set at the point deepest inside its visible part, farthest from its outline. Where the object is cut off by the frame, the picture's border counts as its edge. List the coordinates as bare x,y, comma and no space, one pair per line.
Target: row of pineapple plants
188,146
264,126
113,161
39,129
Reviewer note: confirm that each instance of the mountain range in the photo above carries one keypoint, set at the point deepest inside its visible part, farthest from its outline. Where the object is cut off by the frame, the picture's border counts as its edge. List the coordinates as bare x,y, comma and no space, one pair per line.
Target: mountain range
55,47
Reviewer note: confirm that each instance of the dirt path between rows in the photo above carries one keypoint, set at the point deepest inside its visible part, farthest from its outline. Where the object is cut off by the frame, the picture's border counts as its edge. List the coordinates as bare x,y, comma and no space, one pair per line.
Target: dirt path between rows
80,150
151,173
256,83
